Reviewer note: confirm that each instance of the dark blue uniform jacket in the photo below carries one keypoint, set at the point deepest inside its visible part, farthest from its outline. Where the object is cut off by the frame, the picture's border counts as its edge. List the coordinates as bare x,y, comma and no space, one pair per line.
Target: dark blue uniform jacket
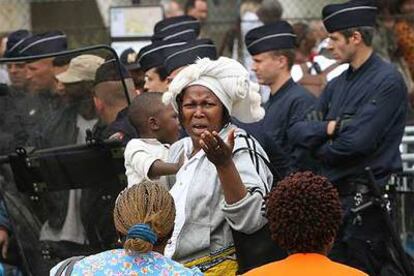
286,106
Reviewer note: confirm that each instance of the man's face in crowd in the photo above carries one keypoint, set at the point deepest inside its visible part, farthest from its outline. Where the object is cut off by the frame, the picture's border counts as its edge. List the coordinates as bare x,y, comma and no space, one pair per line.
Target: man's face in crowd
17,74
200,10
75,90
266,67
407,6
40,75
174,9
59,87
341,48
153,83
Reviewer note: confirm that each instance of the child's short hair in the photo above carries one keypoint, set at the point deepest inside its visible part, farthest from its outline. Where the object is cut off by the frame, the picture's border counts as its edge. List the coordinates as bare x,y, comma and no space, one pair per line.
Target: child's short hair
143,107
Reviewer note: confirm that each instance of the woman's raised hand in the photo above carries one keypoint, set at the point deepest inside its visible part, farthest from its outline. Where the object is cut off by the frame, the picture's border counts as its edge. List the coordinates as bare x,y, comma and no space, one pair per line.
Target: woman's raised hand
218,152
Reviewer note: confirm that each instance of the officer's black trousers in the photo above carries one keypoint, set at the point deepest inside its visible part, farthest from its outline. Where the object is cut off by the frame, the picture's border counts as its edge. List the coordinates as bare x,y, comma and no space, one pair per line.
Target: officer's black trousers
363,240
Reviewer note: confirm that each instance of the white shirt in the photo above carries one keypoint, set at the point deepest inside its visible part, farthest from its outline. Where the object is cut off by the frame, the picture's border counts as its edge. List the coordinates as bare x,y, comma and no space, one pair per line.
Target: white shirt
324,63
249,21
4,74
139,156
203,219
179,192
72,229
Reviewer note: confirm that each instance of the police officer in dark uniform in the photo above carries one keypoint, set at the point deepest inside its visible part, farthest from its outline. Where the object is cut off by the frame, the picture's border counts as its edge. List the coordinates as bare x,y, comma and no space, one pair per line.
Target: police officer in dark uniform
176,58
42,101
358,122
128,58
151,59
17,70
11,133
170,32
177,28
272,48
111,104
112,109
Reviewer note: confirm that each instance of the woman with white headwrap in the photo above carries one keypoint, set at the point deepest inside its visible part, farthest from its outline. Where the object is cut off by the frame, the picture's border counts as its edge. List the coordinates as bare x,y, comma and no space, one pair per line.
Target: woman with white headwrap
218,187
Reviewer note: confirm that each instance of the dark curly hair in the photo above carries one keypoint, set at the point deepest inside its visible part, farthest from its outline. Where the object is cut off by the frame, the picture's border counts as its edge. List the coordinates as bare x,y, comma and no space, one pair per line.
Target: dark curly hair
304,213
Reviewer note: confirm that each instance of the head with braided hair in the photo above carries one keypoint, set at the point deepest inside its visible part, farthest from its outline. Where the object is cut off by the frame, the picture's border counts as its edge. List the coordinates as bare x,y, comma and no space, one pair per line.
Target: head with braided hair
146,204
304,213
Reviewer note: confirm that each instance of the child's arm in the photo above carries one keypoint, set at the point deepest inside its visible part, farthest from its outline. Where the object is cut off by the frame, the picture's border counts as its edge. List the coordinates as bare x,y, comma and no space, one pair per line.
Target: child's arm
161,168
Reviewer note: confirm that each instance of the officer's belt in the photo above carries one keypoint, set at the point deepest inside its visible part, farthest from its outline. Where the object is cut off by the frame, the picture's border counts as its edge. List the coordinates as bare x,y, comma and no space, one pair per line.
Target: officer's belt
351,188
359,184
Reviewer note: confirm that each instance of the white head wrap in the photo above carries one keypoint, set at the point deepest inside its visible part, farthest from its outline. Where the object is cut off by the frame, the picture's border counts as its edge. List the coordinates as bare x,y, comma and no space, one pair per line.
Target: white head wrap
228,80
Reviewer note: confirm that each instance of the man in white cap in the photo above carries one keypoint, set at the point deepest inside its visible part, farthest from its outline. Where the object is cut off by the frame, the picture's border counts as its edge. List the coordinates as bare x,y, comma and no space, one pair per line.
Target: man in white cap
64,227
79,113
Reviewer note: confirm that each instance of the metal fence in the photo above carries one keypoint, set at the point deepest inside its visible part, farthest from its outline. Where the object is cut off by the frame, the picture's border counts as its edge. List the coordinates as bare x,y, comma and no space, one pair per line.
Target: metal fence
86,21
404,184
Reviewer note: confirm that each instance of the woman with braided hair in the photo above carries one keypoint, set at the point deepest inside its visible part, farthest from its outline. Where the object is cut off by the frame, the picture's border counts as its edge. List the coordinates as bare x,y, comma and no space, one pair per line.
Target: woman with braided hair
304,213
144,217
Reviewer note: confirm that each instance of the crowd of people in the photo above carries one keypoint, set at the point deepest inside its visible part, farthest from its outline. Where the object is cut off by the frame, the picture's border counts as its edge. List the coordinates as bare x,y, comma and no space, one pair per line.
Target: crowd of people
248,165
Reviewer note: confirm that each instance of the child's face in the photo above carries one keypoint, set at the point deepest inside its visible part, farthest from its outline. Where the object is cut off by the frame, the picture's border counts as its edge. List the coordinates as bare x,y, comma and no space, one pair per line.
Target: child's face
169,126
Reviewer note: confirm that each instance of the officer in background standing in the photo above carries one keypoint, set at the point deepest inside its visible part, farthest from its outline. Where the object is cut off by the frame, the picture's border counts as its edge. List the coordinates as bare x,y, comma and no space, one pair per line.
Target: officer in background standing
128,59
42,100
111,103
177,58
11,133
151,60
17,70
177,28
170,32
64,230
358,122
197,9
272,47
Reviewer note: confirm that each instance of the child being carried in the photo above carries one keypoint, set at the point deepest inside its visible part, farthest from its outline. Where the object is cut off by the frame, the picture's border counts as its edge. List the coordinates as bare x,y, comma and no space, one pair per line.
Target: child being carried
158,127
